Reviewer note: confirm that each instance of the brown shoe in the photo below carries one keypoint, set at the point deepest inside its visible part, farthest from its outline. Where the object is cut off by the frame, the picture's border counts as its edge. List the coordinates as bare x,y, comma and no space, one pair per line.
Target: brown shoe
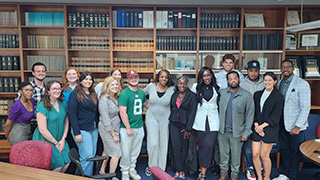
234,177
224,176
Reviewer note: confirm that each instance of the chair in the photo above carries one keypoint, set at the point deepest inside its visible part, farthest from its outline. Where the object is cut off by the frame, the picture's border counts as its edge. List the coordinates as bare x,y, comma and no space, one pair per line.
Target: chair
159,174
74,157
35,154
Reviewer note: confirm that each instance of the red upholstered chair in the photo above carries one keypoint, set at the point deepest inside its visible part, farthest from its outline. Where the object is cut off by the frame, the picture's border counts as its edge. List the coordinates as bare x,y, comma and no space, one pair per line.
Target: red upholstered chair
35,154
159,174
318,131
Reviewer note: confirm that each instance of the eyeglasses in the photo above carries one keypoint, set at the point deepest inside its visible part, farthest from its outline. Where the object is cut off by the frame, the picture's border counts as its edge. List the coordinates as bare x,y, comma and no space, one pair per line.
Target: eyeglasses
28,90
56,89
40,71
286,67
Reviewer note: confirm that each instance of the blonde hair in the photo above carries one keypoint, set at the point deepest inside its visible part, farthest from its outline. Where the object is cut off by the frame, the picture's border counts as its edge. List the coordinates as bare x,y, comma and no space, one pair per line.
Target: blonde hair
105,90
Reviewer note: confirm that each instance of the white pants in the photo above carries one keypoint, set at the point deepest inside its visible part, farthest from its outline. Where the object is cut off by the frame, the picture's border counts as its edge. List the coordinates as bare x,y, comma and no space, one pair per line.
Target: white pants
131,147
157,142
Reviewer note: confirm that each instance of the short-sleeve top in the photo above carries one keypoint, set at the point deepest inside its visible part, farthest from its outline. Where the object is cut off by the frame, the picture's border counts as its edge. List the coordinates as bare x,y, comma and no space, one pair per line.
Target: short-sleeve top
19,114
133,100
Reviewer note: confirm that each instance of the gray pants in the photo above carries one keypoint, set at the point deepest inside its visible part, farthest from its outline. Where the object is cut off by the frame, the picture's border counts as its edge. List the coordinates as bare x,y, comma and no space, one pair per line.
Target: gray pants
229,143
157,142
131,147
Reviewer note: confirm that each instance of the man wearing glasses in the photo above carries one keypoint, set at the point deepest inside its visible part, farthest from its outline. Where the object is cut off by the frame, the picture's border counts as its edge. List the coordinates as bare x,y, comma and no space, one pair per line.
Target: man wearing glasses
39,74
297,96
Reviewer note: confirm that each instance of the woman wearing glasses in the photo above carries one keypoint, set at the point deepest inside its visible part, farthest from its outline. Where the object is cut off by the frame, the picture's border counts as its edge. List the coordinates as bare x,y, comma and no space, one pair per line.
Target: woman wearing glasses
53,125
83,115
17,127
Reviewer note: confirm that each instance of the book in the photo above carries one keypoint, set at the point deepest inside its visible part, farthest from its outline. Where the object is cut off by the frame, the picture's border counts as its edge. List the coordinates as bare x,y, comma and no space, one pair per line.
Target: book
179,19
170,19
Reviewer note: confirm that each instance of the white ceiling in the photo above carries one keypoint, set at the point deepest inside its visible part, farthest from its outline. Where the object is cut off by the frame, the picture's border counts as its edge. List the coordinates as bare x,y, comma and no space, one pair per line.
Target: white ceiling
179,2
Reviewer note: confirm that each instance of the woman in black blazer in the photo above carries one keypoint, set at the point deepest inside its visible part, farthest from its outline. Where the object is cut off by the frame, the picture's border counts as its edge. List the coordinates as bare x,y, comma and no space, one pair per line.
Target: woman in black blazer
268,111
183,110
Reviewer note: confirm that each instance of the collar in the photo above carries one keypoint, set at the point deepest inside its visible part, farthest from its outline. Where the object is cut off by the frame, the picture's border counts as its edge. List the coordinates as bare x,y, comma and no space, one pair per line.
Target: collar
289,79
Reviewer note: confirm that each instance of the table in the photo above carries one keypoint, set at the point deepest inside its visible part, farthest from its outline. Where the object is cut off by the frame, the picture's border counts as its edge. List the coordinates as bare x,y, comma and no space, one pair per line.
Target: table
307,149
13,171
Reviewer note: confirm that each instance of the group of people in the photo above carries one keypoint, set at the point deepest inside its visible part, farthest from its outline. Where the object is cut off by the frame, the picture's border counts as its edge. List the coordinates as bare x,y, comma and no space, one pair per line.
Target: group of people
219,114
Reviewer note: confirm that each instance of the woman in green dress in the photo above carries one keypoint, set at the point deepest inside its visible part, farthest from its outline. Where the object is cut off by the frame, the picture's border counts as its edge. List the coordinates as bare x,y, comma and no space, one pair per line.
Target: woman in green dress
53,125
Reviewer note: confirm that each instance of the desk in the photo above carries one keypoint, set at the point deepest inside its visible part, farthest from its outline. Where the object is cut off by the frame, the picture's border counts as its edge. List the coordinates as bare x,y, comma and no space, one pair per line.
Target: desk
307,148
13,171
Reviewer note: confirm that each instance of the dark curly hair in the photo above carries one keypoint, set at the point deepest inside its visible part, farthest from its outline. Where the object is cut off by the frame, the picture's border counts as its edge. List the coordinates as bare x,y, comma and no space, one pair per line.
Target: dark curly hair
170,80
46,96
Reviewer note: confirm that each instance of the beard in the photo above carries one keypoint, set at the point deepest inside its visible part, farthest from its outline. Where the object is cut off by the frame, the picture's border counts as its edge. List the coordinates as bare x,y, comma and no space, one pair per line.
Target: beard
234,86
255,79
39,78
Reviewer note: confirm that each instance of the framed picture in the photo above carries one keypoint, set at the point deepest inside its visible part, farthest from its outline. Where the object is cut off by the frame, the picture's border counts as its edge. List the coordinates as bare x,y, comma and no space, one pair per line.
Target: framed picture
254,20
293,18
309,40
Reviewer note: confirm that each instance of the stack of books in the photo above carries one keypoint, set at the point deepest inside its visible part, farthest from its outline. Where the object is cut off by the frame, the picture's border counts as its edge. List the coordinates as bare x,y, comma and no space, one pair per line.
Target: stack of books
53,63
218,43
9,41
10,63
9,84
137,19
90,63
8,18
45,42
44,19
90,42
176,19
176,43
88,20
138,64
219,20
133,43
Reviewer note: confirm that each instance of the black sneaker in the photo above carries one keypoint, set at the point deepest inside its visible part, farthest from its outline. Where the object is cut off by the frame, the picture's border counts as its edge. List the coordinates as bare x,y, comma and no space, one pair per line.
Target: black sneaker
148,171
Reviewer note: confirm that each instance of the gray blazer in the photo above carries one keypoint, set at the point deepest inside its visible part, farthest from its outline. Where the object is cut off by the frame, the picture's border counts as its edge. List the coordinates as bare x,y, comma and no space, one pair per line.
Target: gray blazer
297,104
242,112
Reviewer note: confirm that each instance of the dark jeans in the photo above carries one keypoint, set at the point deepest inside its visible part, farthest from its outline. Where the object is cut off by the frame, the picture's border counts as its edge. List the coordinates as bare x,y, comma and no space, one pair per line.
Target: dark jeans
290,154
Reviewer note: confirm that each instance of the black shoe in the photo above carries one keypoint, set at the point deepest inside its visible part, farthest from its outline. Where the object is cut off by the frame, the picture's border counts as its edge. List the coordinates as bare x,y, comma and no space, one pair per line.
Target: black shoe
215,169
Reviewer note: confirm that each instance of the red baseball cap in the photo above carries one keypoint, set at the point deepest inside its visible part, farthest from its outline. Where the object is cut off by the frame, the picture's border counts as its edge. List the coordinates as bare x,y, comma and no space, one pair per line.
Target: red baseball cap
132,73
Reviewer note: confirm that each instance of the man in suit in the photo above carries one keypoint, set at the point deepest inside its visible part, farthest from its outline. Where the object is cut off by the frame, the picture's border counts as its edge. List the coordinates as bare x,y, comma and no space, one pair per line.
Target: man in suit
297,103
236,117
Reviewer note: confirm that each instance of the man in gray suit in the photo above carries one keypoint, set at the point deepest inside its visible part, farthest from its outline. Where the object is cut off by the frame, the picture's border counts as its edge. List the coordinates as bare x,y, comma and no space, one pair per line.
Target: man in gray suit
297,96
236,117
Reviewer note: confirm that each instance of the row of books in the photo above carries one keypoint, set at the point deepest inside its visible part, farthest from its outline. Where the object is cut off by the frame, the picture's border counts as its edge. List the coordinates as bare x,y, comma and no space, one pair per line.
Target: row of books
139,19
53,63
90,63
10,63
8,18
45,42
176,43
133,43
219,20
88,20
90,42
218,43
9,84
138,64
3,121
175,63
44,19
176,19
262,41
5,106
9,41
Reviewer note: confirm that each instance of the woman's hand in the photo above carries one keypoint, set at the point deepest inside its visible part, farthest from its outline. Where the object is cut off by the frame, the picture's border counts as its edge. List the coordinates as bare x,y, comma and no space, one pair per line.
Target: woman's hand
78,138
186,134
259,130
61,144
116,139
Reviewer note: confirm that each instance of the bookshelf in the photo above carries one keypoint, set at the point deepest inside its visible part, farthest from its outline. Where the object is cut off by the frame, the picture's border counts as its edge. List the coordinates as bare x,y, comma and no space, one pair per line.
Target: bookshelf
98,38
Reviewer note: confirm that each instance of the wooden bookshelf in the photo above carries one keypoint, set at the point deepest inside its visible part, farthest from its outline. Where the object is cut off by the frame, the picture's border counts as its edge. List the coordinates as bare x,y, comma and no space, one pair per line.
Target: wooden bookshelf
274,19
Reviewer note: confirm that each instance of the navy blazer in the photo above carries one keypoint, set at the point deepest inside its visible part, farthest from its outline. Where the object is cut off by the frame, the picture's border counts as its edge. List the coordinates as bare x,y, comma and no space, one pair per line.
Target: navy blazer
186,113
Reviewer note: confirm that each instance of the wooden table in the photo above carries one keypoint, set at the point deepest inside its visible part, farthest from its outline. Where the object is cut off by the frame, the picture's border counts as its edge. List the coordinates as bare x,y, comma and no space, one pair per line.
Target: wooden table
307,149
13,171
5,148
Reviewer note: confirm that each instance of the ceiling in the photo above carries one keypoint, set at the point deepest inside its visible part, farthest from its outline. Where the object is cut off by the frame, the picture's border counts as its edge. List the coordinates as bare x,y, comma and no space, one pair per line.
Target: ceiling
179,2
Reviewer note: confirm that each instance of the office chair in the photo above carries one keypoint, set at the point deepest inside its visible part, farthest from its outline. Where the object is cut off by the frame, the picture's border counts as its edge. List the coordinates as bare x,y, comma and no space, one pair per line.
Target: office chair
74,157
35,154
159,174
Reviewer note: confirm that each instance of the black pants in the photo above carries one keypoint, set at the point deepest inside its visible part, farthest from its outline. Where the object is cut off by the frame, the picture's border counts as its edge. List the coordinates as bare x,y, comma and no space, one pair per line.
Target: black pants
206,141
179,146
290,154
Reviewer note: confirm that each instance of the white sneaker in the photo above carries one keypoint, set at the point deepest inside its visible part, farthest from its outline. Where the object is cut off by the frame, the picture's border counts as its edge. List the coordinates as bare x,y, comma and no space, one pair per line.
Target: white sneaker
250,173
134,175
125,175
281,177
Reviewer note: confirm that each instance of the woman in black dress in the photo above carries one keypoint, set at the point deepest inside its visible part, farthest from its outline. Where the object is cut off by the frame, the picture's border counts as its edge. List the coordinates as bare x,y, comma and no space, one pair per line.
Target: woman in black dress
268,110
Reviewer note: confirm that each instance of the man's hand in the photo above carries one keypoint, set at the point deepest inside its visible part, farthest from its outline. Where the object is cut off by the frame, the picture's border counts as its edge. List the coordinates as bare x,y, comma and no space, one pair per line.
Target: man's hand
295,131
129,132
243,138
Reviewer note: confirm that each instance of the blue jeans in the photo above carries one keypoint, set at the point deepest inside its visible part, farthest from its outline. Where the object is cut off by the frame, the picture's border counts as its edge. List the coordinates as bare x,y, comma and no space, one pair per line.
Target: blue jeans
87,149
247,152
